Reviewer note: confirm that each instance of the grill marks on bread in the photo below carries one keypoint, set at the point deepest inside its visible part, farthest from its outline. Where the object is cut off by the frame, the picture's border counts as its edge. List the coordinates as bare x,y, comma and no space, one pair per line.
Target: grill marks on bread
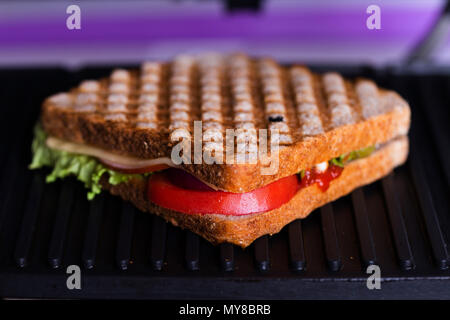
308,113
180,98
211,102
273,89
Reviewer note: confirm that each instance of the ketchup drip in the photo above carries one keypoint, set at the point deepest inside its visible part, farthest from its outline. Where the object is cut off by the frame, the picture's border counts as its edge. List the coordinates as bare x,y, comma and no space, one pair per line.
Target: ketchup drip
321,178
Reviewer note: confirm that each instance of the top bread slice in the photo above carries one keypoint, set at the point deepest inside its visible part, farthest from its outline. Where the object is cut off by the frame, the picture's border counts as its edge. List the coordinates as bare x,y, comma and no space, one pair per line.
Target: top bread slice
143,114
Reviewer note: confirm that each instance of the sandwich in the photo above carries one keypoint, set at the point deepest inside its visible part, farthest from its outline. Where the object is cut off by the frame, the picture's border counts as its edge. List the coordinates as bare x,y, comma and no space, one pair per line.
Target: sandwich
229,147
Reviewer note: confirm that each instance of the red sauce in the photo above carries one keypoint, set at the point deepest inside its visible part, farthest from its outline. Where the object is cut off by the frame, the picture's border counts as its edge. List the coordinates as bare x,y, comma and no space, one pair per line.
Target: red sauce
322,179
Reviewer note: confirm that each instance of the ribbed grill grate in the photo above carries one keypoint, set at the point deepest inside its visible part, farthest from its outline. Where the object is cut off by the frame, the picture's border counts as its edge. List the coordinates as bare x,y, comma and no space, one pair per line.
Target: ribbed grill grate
401,223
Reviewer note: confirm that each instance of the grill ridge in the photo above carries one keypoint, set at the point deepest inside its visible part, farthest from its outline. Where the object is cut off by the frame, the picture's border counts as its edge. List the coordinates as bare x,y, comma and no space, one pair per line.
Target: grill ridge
332,251
192,251
92,232
227,257
123,254
262,256
296,247
29,221
159,233
398,224
363,228
60,226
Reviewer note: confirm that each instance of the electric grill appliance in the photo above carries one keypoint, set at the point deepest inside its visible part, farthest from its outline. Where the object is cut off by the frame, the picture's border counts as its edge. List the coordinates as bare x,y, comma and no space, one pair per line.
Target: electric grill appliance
401,223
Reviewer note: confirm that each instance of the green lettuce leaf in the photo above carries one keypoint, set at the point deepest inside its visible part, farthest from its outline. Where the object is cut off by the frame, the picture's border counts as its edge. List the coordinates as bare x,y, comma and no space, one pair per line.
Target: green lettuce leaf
357,154
85,168
302,174
347,157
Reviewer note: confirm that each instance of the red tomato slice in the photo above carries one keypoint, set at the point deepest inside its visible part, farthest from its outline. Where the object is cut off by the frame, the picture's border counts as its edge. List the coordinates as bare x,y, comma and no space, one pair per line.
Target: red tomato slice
132,169
190,197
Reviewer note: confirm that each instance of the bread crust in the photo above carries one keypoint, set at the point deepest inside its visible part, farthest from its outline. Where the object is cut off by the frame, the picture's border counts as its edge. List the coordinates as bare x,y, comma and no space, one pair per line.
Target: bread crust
243,230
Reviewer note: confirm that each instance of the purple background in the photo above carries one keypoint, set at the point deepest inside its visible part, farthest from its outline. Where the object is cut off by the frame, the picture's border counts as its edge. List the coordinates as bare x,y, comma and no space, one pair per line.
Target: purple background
127,32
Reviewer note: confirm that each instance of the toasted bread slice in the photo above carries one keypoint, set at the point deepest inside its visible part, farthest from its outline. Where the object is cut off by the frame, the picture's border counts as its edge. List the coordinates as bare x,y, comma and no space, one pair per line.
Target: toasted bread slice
143,113
243,230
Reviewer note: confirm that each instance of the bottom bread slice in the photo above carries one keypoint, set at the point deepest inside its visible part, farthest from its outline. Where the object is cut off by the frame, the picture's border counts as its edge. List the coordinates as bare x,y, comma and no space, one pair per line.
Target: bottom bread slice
243,230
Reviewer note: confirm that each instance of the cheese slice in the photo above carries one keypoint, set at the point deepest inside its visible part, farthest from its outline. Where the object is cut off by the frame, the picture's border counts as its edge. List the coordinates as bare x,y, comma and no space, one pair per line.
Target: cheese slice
131,162
321,167
119,159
